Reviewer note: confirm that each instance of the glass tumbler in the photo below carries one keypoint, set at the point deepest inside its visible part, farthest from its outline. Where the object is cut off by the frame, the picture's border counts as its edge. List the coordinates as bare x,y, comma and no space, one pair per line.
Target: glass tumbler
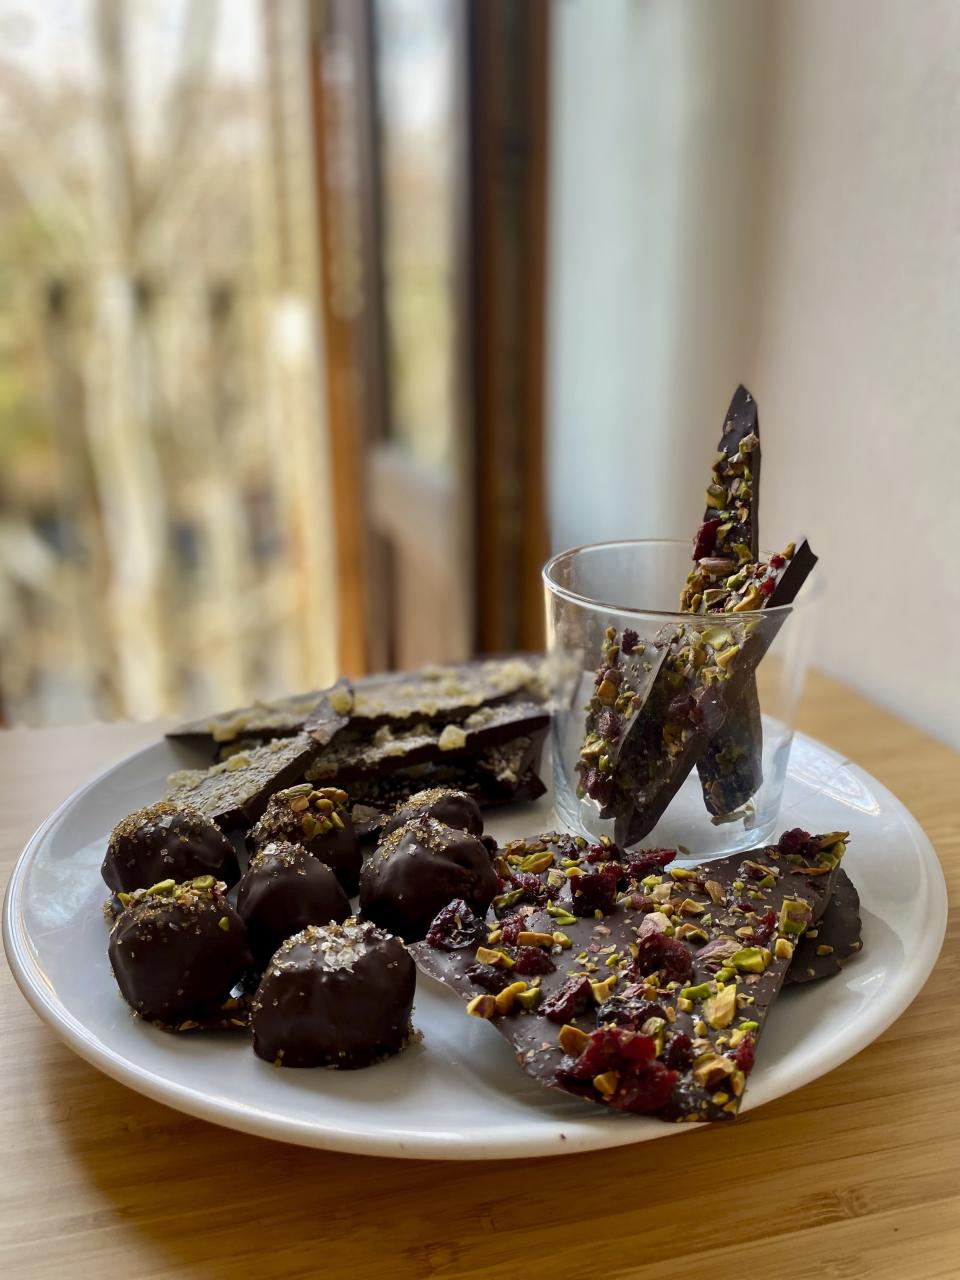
636,585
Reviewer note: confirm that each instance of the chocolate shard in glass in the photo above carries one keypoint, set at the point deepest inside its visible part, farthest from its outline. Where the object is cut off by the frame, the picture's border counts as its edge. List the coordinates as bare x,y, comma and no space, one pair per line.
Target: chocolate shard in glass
836,936
703,677
323,712
235,792
654,1001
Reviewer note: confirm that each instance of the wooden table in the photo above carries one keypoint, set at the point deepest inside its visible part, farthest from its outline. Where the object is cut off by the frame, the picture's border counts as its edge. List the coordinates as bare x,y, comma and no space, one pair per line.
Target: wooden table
856,1175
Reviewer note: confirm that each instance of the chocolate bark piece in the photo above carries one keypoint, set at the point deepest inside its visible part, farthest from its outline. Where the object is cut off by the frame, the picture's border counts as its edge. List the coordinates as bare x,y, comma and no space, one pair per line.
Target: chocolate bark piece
655,1002
451,807
417,870
334,996
235,792
357,755
177,949
283,890
731,767
165,841
704,675
450,692
834,938
322,711
317,818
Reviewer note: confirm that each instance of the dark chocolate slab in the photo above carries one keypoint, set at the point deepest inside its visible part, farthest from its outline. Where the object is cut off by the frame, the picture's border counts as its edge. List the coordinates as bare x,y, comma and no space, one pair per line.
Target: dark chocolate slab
604,956
236,791
450,692
322,710
835,937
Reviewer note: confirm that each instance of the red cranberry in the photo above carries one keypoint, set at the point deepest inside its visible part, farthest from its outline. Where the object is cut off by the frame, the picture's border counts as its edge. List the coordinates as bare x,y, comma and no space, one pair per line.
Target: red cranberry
766,586
706,538
744,1054
763,929
596,891
510,927
610,1049
645,1090
487,978
454,928
629,1009
531,960
799,842
777,561
534,889
666,956
609,724
573,998
643,862
678,1055
629,640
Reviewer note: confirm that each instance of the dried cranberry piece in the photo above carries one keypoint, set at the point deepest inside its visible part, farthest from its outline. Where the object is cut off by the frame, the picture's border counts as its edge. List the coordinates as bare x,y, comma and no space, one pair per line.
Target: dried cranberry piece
573,998
763,929
629,640
609,724
678,1055
534,889
667,956
798,841
766,586
595,891
610,1049
777,561
641,862
645,1090
744,1054
487,978
510,927
531,960
454,928
706,538
629,1009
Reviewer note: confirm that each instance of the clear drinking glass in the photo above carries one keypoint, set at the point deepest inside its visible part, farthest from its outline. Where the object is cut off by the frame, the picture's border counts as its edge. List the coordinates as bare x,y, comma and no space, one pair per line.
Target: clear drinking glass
637,584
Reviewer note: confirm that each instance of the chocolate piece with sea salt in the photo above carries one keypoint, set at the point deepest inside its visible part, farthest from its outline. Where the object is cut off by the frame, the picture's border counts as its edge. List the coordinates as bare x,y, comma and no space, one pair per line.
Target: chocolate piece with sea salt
235,792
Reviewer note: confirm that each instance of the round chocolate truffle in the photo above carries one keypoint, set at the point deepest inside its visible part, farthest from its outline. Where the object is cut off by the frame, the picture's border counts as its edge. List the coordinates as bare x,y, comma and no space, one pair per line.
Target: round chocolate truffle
453,808
167,841
337,995
317,819
177,949
282,891
419,868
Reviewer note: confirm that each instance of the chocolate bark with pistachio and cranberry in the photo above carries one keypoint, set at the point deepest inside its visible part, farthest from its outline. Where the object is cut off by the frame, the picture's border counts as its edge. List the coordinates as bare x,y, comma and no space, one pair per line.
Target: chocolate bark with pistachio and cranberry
709,663
634,986
833,939
731,768
235,792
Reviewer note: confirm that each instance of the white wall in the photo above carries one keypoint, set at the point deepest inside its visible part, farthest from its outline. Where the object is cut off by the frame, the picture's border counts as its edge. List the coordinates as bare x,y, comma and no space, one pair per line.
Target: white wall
770,193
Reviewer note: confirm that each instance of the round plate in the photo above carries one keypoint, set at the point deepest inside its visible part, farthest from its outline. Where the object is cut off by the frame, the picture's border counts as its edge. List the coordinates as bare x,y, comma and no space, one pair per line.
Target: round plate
457,1094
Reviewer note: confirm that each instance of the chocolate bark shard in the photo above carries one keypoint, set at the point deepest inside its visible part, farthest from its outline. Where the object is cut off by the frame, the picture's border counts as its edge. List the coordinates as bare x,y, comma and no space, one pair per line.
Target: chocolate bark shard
324,710
689,960
359,755
449,692
235,792
835,937
709,664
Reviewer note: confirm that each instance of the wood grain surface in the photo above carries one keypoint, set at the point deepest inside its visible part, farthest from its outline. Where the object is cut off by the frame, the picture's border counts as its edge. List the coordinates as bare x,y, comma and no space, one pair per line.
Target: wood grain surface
856,1175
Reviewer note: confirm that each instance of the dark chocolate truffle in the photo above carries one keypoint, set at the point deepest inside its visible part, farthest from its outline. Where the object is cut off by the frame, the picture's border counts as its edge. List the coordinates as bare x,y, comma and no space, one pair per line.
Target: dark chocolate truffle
316,818
453,808
334,996
419,868
282,891
167,841
177,949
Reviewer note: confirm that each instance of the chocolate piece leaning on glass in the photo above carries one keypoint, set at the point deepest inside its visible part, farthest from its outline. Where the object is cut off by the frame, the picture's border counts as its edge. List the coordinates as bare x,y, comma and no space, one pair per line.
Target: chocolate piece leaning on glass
177,950
652,1001
283,890
731,767
417,869
317,818
166,841
335,996
322,711
704,675
835,937
235,792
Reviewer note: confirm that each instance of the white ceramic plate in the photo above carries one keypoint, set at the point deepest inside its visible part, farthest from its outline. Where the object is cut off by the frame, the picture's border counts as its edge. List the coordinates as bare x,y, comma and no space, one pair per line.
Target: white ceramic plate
458,1094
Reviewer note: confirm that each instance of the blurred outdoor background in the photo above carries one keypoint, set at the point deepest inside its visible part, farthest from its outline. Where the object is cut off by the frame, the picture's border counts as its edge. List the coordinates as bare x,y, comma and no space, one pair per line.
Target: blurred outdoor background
322,321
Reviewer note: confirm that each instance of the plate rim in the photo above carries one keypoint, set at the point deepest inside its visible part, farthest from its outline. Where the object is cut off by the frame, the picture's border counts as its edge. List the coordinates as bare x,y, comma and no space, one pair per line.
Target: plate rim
582,1134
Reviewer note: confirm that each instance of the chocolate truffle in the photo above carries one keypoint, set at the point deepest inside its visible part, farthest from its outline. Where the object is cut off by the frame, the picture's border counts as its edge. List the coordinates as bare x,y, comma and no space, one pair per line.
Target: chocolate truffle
167,841
337,995
282,891
453,808
317,819
177,949
419,868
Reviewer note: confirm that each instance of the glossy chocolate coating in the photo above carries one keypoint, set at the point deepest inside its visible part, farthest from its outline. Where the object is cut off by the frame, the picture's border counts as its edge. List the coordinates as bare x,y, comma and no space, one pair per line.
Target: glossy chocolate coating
453,808
283,890
334,996
417,870
167,841
319,820
179,953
